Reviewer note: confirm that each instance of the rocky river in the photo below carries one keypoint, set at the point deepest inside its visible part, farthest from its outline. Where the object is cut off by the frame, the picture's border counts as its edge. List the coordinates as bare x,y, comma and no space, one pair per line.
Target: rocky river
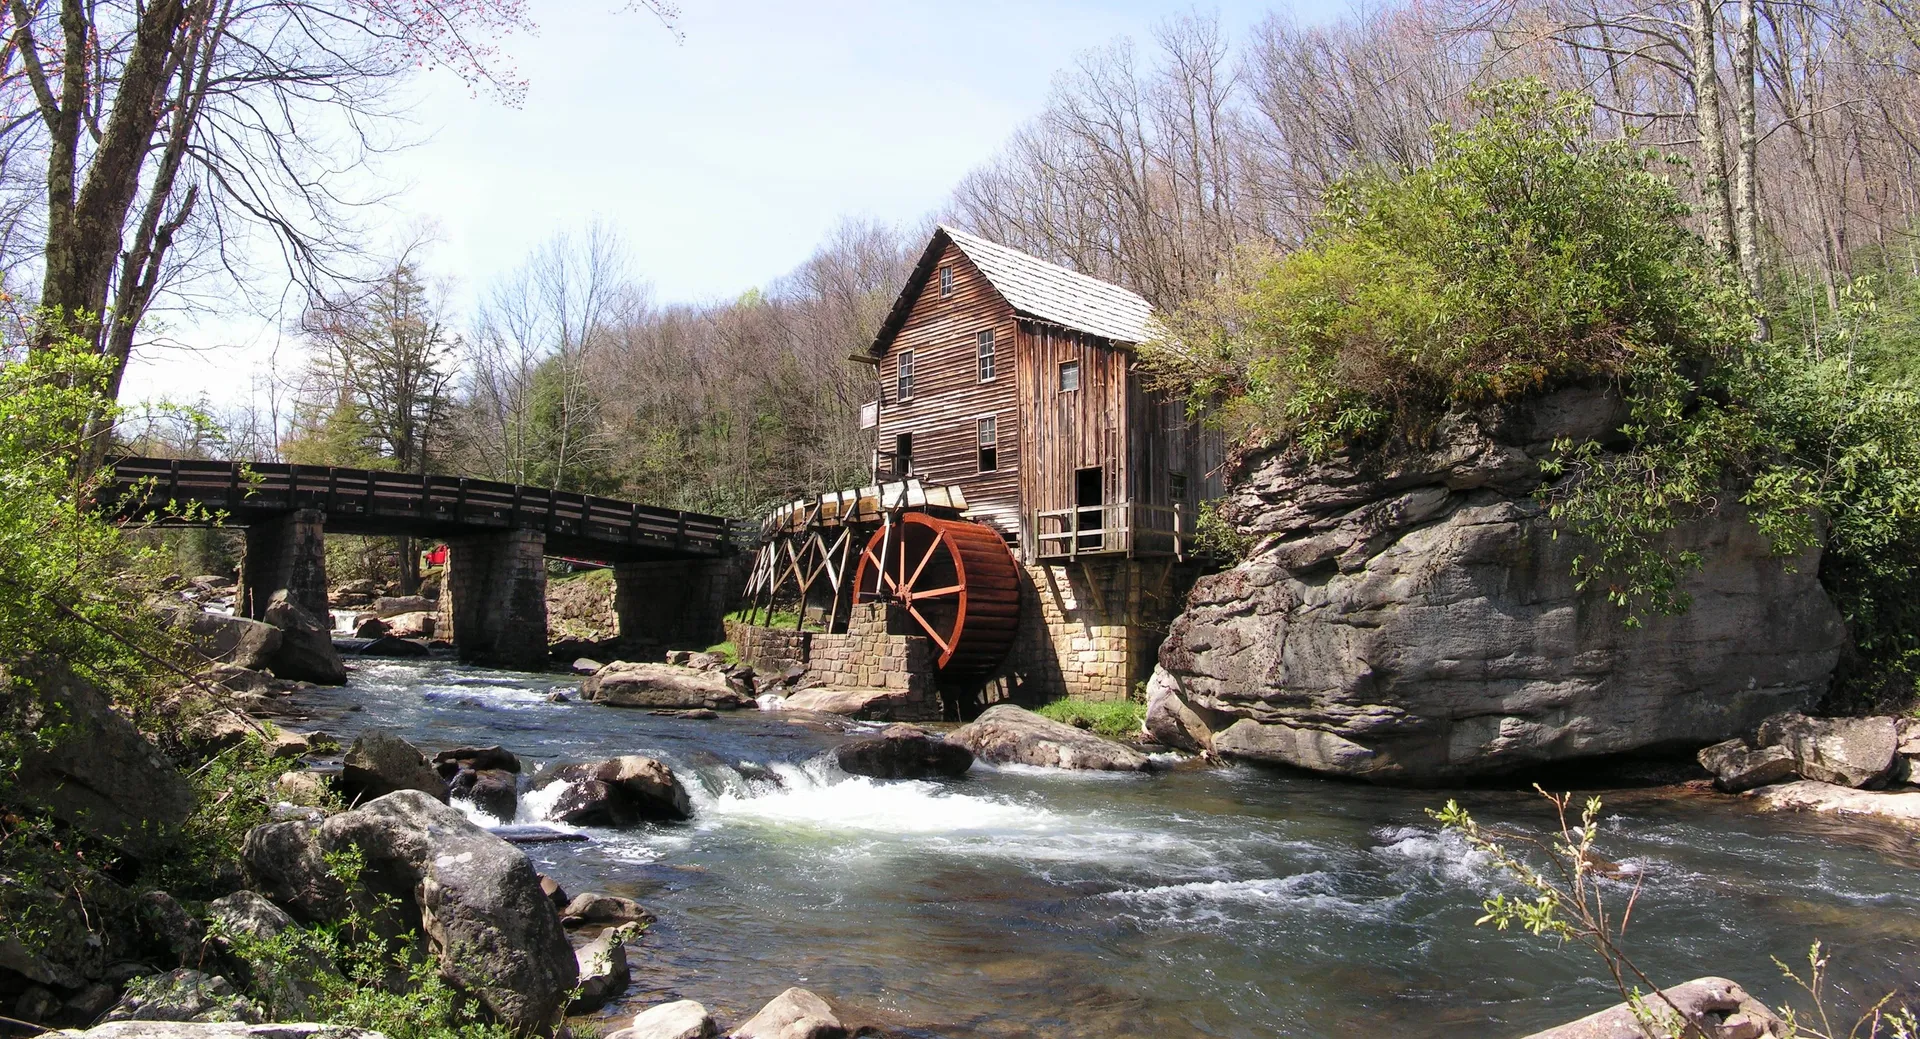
1232,902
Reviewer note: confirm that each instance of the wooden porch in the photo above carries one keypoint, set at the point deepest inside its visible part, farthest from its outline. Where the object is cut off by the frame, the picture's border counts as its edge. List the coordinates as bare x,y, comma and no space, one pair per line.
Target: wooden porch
1131,529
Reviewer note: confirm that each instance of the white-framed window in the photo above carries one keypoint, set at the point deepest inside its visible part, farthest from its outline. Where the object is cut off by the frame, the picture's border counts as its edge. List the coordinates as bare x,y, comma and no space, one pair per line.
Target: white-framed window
903,377
946,281
983,353
987,429
1069,376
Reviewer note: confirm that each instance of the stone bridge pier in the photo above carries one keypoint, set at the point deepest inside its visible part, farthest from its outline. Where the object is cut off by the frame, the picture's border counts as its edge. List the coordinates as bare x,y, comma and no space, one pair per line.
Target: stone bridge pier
493,599
680,602
286,552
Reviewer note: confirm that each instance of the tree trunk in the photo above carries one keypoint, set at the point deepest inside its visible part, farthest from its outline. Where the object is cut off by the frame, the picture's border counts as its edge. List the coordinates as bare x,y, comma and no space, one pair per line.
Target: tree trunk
1746,206
1706,116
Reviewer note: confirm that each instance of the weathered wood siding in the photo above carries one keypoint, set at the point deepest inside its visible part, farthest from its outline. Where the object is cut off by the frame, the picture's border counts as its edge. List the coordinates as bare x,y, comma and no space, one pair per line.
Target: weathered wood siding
1062,432
949,398
1162,442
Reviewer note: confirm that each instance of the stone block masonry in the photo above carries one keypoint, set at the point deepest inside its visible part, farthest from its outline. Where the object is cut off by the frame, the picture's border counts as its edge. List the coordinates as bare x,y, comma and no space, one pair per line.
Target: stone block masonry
493,602
287,553
771,651
681,602
867,656
1091,629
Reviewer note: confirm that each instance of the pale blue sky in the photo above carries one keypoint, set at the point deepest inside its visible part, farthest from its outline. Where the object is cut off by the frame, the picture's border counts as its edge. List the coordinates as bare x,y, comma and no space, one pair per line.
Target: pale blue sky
722,157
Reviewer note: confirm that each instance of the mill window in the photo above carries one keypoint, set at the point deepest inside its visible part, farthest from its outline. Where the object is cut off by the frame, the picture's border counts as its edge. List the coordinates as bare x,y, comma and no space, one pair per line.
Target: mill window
1177,487
903,380
902,455
946,282
1069,376
983,350
989,434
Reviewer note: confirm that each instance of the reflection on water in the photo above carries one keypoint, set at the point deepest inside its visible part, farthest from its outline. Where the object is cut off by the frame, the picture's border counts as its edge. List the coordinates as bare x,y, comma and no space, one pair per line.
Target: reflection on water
1024,902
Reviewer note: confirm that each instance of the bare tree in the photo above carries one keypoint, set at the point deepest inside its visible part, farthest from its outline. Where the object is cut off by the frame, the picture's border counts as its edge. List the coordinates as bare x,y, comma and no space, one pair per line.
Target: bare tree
531,413
178,134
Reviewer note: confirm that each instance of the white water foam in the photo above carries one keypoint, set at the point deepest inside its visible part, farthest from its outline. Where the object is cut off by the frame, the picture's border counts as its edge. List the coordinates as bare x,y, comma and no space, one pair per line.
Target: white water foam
1224,901
817,796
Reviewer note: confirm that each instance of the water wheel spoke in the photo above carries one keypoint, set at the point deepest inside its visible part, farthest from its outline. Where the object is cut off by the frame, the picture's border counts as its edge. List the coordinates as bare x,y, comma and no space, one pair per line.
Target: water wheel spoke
880,574
934,593
927,626
922,565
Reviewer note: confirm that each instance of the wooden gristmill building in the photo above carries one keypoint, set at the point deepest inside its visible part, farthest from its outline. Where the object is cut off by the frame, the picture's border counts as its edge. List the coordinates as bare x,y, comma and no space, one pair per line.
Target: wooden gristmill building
1033,503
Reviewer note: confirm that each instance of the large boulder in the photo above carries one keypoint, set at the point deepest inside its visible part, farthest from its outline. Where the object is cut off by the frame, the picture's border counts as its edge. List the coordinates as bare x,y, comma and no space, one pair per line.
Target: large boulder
603,970
1716,1007
1855,752
870,704
1009,735
306,646
227,639
183,995
1418,622
95,771
593,908
417,625
1737,766
793,1014
494,791
475,898
1899,808
682,1019
903,752
380,763
397,605
663,686
241,923
620,791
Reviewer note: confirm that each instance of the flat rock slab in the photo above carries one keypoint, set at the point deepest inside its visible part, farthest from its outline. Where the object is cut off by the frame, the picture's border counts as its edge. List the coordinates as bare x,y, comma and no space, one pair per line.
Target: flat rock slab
534,835
684,1019
1898,807
1721,1009
880,705
629,684
1009,735
903,752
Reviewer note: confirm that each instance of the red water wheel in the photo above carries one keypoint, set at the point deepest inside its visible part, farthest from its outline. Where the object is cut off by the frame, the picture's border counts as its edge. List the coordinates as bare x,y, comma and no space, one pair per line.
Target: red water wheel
955,579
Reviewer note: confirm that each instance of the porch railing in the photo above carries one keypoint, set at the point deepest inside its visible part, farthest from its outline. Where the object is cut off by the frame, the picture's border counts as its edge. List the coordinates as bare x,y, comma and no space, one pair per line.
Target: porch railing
1125,529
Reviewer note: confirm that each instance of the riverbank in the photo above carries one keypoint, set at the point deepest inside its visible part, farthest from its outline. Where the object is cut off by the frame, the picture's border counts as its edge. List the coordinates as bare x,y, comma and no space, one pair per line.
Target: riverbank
1228,902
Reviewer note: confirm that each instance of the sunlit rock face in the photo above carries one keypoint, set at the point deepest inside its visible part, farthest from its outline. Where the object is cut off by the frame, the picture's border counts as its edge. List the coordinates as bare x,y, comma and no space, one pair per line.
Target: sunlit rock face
1420,623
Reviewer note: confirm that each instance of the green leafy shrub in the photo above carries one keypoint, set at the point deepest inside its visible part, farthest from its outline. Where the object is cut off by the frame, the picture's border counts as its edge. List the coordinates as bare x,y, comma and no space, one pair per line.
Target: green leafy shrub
346,973
1527,257
1523,257
1114,719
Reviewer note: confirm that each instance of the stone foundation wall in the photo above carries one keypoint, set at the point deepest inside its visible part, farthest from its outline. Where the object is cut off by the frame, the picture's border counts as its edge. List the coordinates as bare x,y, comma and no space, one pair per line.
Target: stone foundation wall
869,657
1091,629
770,651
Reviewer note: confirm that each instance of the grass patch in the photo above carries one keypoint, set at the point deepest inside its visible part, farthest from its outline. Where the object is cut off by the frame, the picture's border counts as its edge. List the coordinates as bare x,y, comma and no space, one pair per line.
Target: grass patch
785,619
1114,719
726,651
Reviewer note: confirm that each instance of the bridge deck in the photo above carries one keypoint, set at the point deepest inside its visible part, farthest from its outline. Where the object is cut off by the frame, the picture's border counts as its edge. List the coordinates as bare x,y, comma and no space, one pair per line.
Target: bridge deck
366,501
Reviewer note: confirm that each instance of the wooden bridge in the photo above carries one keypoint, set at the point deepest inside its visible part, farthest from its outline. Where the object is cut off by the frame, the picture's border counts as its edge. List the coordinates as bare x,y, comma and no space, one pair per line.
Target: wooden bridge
675,572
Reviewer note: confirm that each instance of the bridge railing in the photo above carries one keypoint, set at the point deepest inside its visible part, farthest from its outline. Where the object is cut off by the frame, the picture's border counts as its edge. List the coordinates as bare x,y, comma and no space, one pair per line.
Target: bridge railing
374,494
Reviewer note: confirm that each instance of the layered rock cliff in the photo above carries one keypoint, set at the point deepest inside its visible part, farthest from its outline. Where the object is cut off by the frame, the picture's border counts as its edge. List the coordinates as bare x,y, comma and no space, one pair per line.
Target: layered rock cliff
1417,622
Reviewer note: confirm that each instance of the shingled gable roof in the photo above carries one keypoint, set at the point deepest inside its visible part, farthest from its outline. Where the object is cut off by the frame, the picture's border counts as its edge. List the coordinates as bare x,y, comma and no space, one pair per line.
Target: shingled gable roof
1034,288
